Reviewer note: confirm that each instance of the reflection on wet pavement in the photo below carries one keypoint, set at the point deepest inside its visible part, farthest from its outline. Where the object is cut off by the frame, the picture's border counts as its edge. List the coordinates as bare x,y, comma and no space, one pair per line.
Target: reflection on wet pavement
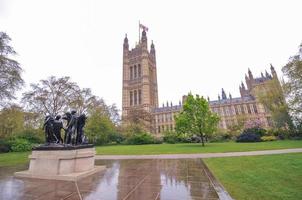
123,180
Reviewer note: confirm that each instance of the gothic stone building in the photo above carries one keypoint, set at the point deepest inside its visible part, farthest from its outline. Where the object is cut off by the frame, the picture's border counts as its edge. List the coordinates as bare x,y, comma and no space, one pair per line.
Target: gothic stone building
140,93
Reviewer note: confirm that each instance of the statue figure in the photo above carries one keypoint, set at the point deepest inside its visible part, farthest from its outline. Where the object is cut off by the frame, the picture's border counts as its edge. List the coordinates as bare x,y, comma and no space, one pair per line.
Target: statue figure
74,133
80,139
57,126
70,132
48,127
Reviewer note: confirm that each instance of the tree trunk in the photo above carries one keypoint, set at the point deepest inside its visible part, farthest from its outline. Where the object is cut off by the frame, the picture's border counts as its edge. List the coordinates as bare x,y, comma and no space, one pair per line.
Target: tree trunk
202,140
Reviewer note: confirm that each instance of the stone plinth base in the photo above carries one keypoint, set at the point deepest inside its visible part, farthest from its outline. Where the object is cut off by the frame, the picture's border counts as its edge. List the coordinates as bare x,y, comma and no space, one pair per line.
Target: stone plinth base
61,164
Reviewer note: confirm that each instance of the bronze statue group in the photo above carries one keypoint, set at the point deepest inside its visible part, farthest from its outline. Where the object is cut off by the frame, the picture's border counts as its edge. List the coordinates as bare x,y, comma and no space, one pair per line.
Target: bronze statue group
74,133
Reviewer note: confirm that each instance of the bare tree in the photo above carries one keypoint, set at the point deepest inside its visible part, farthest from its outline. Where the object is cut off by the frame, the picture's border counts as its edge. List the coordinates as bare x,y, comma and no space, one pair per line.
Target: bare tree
51,96
10,71
84,100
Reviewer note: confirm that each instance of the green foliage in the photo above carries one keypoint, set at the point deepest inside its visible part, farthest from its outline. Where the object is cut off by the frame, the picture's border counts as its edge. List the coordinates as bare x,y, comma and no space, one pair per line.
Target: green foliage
255,130
248,137
99,128
221,137
116,137
293,85
4,146
34,136
253,134
268,138
196,118
141,138
173,137
273,99
11,121
10,70
18,145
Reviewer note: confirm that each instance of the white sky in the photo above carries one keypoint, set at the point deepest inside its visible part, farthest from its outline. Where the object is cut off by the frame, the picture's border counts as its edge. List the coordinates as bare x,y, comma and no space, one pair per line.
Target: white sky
201,46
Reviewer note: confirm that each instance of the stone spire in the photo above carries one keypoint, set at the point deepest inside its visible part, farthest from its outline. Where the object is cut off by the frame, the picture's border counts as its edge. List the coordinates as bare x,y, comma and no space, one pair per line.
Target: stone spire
273,71
223,95
126,45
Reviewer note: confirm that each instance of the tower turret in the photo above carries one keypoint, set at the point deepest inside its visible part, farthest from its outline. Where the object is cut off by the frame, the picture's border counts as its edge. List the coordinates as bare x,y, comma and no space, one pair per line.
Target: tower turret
248,82
250,75
273,71
126,45
223,95
152,51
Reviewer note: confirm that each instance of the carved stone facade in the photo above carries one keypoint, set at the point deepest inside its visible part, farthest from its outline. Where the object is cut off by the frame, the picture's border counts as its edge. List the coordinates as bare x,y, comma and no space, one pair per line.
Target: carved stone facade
139,79
140,93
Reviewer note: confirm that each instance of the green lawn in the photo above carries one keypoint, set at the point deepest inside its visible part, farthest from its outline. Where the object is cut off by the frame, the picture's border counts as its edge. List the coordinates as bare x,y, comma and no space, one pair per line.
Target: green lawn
13,158
9,159
194,148
260,177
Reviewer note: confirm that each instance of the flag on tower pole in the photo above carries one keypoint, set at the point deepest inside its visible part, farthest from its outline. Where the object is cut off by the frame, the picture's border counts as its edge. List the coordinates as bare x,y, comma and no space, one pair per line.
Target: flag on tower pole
145,28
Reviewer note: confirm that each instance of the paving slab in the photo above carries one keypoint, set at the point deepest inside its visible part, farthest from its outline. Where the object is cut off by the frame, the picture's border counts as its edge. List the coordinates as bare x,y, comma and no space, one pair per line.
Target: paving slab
154,179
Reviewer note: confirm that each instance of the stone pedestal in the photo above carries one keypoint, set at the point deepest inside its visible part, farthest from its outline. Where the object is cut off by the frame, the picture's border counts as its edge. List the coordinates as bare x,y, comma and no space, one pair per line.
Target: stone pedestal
61,163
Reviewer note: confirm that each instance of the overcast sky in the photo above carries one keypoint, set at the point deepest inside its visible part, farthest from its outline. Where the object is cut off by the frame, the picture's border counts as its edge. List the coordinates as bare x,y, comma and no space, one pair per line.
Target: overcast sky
201,46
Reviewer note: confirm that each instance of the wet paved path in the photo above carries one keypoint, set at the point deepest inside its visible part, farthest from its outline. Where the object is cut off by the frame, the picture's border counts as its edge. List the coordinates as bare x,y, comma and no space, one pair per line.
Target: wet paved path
183,179
199,155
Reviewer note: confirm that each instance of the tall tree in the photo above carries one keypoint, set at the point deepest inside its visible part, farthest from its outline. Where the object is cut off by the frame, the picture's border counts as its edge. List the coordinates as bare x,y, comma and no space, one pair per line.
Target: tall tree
84,101
99,127
273,99
51,96
11,121
293,84
196,117
10,71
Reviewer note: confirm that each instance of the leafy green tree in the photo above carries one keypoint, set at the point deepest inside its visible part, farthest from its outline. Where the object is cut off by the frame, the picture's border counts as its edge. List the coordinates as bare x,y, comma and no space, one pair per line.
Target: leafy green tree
99,127
273,99
11,121
293,84
196,118
10,71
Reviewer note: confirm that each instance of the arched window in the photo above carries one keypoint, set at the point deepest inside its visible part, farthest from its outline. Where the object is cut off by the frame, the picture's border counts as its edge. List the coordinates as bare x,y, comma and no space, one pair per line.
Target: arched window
135,71
242,109
131,98
135,97
139,70
139,97
255,108
131,73
249,109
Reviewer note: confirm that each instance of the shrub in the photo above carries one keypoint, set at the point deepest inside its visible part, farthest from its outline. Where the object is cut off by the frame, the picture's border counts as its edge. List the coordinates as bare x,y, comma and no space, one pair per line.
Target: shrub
158,140
33,136
268,138
279,133
220,137
140,138
116,137
248,137
4,146
19,145
172,137
195,139
255,130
